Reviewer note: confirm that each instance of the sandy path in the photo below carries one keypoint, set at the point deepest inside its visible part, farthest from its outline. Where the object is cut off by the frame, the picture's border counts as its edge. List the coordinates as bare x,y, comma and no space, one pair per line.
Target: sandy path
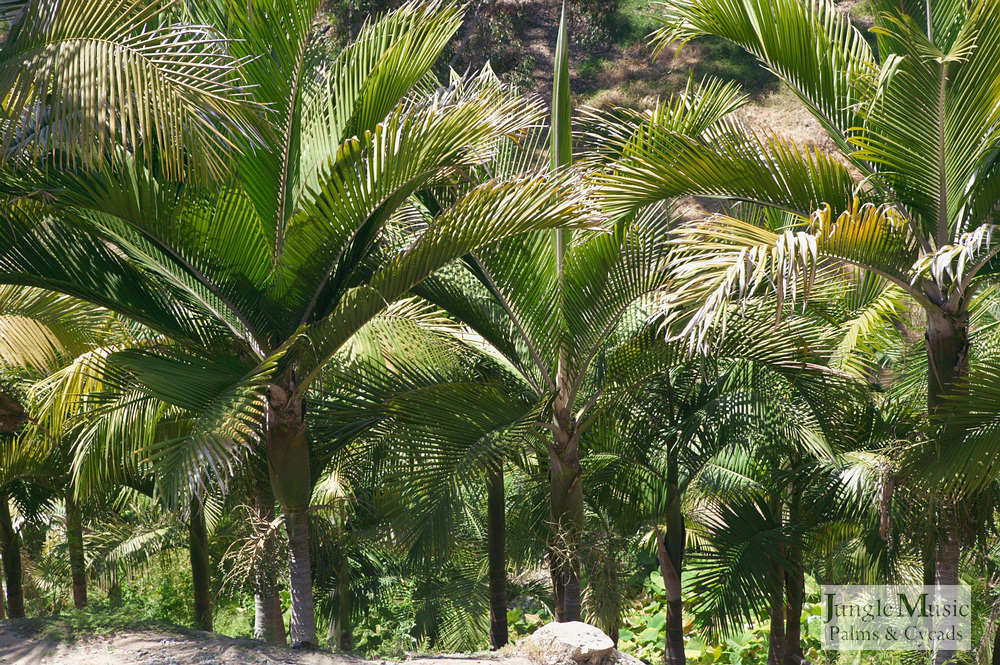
40,642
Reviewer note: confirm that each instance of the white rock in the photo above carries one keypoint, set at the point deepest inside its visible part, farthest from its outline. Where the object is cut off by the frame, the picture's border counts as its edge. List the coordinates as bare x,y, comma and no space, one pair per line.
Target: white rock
622,658
570,643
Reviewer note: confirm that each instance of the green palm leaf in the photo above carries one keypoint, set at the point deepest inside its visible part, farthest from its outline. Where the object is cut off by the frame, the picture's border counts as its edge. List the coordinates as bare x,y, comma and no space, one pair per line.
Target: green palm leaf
814,49
491,212
78,78
723,260
660,163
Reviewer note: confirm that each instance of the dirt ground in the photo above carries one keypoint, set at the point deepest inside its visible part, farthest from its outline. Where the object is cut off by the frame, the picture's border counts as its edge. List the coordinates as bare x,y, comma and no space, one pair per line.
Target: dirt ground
40,642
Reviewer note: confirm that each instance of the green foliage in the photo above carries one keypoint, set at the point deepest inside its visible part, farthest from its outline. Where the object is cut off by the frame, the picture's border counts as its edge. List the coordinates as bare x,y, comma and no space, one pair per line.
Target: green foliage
387,630
309,268
102,619
645,624
528,617
591,66
233,618
163,592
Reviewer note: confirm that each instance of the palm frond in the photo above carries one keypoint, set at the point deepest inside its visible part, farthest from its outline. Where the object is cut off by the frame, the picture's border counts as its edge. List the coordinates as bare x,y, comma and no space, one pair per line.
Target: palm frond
660,163
733,579
934,115
813,48
38,328
80,77
489,213
356,193
722,260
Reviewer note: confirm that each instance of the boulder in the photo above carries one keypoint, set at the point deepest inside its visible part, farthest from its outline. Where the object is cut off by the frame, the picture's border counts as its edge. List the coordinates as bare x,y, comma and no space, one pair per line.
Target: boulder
622,658
570,643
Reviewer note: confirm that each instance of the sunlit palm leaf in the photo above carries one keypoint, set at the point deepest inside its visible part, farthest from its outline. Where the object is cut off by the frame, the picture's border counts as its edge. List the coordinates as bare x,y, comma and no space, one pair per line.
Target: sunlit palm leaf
38,328
491,212
724,260
660,164
77,78
815,49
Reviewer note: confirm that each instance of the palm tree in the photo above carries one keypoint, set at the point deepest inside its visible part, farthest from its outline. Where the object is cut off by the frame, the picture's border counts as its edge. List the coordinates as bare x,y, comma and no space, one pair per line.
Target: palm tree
260,280
440,415
916,124
10,550
563,308
72,77
42,332
58,347
672,449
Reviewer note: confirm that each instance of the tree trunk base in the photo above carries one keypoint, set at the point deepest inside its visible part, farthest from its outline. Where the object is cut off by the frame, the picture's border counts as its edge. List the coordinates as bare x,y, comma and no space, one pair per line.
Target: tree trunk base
10,543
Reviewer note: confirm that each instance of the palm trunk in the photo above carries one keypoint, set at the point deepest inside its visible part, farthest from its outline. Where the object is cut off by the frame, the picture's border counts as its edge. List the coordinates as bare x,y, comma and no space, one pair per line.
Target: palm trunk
496,537
115,592
280,634
201,569
10,548
988,643
947,342
928,556
269,624
670,552
3,604
948,550
795,583
566,502
74,541
565,472
346,635
288,461
340,636
776,651
302,622
777,643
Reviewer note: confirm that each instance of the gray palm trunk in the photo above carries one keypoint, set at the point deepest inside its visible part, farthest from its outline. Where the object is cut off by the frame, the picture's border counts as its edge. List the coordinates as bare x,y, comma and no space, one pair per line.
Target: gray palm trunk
670,552
947,342
777,641
567,522
565,471
670,545
496,536
341,635
302,621
74,542
795,586
10,550
201,568
269,624
288,461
